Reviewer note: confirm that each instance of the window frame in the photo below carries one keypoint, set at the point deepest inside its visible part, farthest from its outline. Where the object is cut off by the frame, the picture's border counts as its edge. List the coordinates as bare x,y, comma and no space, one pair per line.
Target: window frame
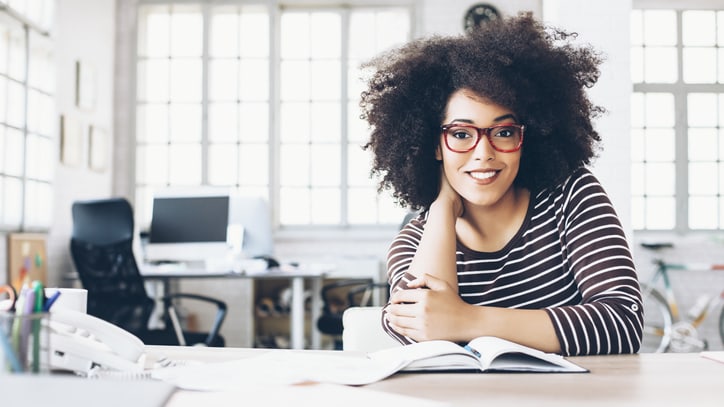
35,25
680,91
275,9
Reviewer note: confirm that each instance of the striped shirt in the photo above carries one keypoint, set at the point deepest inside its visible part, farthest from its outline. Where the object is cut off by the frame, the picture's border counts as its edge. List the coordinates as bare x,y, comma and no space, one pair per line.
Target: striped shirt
570,258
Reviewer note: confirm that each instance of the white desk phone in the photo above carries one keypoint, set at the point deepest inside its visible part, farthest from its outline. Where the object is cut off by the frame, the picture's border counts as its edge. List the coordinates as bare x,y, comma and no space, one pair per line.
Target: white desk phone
80,342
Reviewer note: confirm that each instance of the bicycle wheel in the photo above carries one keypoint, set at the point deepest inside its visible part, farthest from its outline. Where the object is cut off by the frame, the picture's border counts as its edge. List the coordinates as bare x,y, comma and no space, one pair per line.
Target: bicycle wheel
657,321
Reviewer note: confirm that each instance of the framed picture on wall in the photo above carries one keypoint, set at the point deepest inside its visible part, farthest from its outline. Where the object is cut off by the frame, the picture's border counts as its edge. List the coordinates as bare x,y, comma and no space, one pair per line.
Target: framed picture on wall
98,143
85,85
71,141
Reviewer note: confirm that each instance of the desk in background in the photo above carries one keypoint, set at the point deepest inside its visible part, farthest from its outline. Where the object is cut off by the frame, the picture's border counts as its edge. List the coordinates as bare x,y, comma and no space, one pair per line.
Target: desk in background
297,276
619,380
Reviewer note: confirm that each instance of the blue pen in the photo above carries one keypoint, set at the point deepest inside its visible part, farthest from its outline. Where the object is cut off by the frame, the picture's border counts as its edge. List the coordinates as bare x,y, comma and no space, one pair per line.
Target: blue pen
49,303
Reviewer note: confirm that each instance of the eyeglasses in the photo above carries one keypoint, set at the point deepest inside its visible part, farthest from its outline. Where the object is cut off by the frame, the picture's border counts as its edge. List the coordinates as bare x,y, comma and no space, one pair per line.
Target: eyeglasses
461,138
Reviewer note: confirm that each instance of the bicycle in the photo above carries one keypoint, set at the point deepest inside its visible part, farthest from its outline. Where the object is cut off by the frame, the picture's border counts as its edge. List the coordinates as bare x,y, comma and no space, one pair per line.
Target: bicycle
665,329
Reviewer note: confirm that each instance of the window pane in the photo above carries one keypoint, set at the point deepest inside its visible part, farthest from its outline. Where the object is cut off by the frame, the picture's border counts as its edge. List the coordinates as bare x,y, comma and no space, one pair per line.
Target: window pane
660,110
702,109
660,64
295,41
185,123
3,99
325,80
637,64
700,65
658,26
153,85
295,171
362,205
326,125
154,35
254,122
324,35
152,165
703,144
223,122
660,179
295,78
698,27
38,204
254,26
660,213
660,145
223,164
636,27
703,213
184,164
15,115
326,206
12,202
294,206
359,163
40,167
152,123
295,122
326,163
223,76
254,164
254,83
14,152
186,31
185,80
638,178
703,178
224,32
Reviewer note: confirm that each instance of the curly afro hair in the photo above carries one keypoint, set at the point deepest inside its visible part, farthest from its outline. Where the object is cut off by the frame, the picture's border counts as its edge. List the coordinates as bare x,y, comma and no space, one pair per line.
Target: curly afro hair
515,62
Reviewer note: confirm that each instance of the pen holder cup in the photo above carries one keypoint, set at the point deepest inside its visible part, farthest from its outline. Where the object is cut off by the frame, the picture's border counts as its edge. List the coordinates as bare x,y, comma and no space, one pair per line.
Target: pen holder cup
24,343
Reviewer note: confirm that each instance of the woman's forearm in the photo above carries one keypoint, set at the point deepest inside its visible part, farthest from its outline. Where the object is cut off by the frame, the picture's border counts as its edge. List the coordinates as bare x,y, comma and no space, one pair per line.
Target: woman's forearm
435,254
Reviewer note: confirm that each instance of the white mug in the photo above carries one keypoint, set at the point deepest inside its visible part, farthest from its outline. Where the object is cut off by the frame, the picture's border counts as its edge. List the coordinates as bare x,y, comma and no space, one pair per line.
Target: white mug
75,299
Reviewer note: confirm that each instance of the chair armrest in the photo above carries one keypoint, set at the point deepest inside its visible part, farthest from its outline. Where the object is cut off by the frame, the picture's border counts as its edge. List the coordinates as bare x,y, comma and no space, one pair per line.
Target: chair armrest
342,283
366,288
221,309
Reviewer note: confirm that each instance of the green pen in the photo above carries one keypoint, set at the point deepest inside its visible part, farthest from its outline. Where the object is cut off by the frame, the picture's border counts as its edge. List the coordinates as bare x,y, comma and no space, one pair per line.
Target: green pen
37,310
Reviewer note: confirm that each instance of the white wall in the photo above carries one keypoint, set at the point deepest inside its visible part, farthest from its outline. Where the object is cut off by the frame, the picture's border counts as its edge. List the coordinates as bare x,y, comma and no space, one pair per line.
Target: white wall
84,31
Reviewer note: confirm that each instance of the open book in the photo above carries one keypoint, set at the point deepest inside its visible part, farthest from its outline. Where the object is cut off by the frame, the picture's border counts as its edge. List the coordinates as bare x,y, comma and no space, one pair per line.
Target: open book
485,354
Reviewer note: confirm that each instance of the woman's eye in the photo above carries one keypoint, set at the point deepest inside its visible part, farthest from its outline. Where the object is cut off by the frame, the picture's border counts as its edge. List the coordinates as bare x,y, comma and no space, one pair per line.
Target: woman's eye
461,133
504,132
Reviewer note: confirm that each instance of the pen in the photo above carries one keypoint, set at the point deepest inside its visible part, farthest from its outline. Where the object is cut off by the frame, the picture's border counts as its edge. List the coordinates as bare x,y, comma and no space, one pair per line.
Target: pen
49,303
10,353
39,300
28,307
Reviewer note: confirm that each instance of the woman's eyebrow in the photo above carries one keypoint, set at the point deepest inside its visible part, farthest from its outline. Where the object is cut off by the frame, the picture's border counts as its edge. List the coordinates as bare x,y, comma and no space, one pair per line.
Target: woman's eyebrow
498,119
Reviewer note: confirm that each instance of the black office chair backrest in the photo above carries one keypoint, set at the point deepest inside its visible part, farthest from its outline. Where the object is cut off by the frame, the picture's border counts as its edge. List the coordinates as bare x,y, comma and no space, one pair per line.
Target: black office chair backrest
102,250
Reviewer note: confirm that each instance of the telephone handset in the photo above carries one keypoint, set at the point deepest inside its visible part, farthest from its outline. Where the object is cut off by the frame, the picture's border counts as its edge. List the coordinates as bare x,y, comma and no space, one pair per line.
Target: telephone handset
79,342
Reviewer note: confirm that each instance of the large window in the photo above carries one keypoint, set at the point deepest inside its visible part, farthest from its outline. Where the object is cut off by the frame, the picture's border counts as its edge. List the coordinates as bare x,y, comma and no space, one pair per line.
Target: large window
263,100
678,119
27,115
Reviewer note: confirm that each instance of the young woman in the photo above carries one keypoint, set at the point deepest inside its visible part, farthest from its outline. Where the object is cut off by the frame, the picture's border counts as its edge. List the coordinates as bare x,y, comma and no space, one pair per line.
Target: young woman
490,134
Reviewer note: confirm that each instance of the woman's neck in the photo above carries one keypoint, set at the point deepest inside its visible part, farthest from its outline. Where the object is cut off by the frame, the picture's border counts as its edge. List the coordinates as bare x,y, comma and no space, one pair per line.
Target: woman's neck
490,228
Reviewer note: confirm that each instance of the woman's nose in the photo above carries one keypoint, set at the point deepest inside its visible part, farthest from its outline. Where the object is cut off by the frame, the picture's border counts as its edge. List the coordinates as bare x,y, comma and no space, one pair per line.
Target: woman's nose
484,150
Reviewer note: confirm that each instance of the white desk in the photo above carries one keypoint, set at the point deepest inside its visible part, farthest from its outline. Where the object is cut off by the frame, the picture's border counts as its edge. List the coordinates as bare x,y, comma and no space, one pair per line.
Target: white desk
297,276
632,380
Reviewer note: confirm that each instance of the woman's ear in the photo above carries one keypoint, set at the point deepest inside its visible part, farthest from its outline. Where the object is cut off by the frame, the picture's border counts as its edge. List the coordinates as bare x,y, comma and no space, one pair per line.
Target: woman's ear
438,153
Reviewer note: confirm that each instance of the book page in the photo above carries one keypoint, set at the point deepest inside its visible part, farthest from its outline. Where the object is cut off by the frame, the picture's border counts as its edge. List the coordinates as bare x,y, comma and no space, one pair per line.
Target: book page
429,355
503,355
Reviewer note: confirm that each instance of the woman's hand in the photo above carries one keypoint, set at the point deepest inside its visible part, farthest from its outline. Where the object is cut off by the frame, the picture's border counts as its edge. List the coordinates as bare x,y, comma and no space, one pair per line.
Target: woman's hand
428,309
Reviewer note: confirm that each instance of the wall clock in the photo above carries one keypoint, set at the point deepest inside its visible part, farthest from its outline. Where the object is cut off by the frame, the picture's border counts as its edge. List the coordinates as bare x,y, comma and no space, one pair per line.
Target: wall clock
479,14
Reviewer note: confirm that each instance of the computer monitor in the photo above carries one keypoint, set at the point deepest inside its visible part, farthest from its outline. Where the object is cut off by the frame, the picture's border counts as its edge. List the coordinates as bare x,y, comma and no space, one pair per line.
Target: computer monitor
250,223
188,227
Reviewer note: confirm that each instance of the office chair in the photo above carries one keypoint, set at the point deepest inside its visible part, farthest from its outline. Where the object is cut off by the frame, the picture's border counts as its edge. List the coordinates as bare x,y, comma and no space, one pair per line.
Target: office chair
359,294
102,250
